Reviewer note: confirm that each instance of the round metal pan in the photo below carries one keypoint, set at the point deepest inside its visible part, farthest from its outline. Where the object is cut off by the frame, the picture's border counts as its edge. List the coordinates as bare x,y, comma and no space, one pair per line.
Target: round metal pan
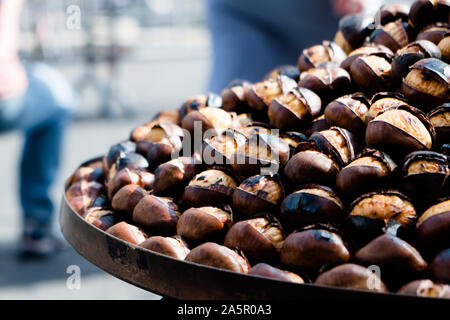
174,278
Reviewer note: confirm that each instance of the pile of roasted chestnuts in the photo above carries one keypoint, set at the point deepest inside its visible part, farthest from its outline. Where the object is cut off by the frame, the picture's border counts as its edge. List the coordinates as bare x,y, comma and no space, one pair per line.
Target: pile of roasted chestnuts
334,171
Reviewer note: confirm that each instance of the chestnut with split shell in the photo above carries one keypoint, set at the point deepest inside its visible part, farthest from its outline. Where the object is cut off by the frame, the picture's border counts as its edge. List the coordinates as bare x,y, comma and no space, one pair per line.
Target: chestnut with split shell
209,188
328,51
352,31
198,225
172,116
215,255
233,96
426,288
127,232
260,238
440,119
351,276
293,139
426,12
434,32
287,70
444,47
433,226
199,102
382,101
214,119
393,12
257,194
265,270
102,218
127,176
318,124
114,153
174,247
394,35
129,160
367,49
219,149
156,214
372,73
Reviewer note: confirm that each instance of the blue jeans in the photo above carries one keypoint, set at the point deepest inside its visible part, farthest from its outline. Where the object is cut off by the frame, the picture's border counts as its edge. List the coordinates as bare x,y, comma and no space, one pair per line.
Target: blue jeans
42,113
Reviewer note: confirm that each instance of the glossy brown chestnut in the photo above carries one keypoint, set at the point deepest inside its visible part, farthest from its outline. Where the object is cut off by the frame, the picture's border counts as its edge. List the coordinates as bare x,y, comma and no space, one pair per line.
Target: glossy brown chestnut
209,188
219,149
173,175
311,204
372,73
425,174
366,49
314,248
318,124
129,160
156,214
394,35
215,119
372,169
174,246
339,142
127,197
129,176
215,255
427,83
328,51
348,112
266,270
114,153
434,32
262,153
440,119
393,12
351,276
293,110
127,232
260,239
444,47
440,267
352,31
327,80
426,288
433,226
399,262
293,139
199,102
261,94
400,130
426,12
309,164
382,101
410,54
233,96
287,70
198,225
102,218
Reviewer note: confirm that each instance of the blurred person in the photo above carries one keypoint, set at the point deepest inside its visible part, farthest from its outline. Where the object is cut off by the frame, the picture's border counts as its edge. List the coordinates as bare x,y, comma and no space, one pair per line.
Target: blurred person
251,37
37,100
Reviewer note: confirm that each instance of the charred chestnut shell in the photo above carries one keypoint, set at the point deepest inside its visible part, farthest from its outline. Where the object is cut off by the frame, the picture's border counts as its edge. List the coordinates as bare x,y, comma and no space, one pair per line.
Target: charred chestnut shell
128,232
314,248
259,238
156,214
311,204
352,31
266,270
348,112
372,72
410,54
394,35
325,52
199,102
440,119
372,169
426,288
198,225
425,174
433,226
382,101
293,139
440,267
209,188
351,276
233,96
219,149
366,49
114,153
257,194
295,109
215,255
174,246
428,83
400,130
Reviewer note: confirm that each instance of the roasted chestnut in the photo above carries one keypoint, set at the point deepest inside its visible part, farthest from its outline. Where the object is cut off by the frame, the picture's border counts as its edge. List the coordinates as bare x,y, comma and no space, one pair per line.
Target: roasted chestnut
328,51
266,270
366,49
127,232
424,175
426,288
351,276
257,194
352,31
372,72
318,124
220,148
427,83
129,160
426,12
168,116
348,112
382,101
314,248
174,246
114,153
393,12
127,197
102,218
410,54
262,153
287,70
440,119
399,262
394,35
199,102
88,173
311,204
259,238
209,188
433,226
157,214
444,47
327,80
339,142
434,32
215,119
293,139
233,96
372,169
198,225
400,130
126,176
215,255
90,189
173,175
295,109
440,267
261,94
309,164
